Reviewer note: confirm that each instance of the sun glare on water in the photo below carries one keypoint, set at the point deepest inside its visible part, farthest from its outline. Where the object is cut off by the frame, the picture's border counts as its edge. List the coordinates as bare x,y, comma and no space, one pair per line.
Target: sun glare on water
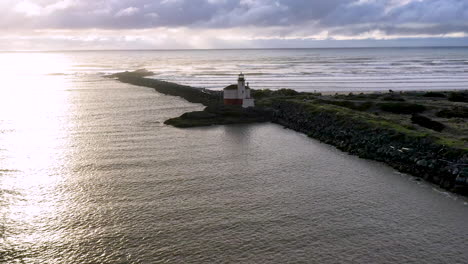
34,139
33,106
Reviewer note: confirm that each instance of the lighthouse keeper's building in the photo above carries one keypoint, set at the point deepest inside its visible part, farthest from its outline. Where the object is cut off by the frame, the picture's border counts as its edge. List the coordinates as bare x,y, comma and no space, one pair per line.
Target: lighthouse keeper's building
238,94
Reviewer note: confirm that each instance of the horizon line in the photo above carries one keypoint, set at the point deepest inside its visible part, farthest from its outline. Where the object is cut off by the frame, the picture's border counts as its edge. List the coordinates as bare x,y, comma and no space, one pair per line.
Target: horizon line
208,49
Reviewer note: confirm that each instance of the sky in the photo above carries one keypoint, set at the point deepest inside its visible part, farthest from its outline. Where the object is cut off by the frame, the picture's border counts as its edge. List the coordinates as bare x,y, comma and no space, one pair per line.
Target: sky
209,24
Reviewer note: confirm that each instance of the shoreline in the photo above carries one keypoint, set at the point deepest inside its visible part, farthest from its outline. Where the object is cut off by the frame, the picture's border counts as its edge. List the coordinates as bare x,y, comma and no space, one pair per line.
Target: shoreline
355,124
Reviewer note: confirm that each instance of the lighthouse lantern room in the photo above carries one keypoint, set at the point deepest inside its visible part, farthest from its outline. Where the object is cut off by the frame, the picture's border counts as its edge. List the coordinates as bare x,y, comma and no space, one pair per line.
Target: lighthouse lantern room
238,94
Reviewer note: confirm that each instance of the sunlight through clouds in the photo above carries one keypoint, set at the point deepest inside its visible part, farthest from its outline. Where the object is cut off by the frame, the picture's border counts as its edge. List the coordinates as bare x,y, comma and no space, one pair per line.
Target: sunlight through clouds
209,23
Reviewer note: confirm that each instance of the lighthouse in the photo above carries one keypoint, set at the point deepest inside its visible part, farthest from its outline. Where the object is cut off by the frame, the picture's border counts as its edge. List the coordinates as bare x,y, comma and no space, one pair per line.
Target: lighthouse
238,94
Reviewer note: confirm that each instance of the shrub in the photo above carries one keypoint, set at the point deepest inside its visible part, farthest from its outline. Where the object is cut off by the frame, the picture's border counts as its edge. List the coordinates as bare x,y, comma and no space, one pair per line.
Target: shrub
360,96
402,108
434,94
351,105
261,93
286,92
458,97
458,111
365,106
427,122
393,98
268,93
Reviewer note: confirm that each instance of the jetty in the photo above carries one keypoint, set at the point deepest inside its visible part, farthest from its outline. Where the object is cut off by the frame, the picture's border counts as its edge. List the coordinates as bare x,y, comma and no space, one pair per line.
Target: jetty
420,133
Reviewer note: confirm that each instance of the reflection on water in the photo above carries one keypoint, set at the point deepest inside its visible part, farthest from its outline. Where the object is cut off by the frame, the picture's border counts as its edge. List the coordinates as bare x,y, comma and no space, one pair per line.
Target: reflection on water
89,174
34,152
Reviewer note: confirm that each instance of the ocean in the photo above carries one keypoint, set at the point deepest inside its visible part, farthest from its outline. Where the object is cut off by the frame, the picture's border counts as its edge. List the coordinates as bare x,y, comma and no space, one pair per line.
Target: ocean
90,174
321,70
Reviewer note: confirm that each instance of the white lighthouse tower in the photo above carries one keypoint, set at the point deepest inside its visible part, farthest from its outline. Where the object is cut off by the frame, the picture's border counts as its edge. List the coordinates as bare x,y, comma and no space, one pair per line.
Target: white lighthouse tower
238,94
241,86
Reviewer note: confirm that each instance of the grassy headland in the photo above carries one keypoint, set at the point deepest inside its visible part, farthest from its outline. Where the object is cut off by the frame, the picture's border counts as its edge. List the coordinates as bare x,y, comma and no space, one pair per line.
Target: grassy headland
421,133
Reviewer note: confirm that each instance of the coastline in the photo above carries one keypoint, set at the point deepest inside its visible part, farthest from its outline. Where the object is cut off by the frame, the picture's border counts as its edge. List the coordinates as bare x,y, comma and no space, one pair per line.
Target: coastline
342,123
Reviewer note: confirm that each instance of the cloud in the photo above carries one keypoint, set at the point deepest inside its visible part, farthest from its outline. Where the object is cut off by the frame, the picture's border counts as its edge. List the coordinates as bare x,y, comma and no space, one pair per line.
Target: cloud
32,8
234,13
244,19
129,11
28,8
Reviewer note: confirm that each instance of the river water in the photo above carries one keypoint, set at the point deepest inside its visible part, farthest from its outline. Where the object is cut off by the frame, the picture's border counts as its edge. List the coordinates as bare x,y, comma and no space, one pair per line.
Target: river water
89,174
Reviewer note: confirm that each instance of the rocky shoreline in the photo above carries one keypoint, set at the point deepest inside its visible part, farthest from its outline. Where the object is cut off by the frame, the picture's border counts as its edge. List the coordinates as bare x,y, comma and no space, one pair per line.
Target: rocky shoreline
359,133
412,154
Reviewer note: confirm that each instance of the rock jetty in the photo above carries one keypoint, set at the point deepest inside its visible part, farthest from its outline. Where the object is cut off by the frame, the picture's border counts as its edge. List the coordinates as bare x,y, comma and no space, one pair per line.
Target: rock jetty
422,134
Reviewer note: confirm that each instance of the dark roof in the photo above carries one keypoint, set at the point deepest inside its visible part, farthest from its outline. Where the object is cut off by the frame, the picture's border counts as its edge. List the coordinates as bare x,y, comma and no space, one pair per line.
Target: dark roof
234,87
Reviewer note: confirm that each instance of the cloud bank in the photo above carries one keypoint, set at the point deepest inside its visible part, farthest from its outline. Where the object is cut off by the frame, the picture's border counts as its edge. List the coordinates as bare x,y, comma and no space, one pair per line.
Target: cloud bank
227,23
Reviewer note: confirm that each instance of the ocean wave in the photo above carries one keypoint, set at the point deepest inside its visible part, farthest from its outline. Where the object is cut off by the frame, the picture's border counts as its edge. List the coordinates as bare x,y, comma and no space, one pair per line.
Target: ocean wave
92,66
57,74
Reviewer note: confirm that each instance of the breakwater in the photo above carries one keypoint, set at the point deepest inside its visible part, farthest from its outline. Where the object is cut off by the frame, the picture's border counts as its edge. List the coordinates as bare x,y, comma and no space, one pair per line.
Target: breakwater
191,94
215,113
410,153
356,132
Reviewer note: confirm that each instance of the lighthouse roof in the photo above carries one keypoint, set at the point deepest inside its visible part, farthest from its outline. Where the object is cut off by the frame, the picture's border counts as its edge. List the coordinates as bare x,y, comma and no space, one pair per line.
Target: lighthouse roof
234,87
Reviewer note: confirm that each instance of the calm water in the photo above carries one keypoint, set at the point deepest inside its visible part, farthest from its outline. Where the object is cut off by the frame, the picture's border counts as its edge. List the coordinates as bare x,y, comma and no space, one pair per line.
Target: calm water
89,174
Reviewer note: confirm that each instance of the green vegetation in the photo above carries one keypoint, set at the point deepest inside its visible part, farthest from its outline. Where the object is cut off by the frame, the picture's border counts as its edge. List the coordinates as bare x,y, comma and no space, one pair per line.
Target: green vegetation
457,111
369,110
358,118
434,94
392,97
427,123
402,108
360,96
458,97
264,93
348,104
451,142
217,115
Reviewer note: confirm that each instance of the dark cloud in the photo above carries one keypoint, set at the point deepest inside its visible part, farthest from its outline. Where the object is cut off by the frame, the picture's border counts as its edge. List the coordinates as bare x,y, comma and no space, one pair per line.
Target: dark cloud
287,17
416,17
